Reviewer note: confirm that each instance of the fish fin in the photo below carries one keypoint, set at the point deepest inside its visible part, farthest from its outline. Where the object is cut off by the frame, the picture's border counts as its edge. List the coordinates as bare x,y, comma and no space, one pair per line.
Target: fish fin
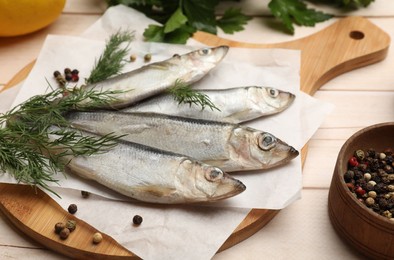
134,129
158,66
156,191
236,117
217,162
86,126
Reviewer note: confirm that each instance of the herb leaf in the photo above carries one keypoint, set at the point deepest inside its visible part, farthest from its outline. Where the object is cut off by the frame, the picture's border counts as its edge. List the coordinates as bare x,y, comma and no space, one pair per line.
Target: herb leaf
111,62
185,94
296,12
28,154
176,20
201,14
233,20
154,33
180,18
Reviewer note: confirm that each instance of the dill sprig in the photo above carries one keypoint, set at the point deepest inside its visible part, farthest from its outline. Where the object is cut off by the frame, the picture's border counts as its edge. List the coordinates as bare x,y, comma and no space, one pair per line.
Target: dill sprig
111,62
27,149
183,93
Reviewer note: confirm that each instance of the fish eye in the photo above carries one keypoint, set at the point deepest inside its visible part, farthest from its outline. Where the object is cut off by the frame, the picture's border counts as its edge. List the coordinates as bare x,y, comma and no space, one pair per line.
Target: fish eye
267,141
273,92
204,51
176,55
214,174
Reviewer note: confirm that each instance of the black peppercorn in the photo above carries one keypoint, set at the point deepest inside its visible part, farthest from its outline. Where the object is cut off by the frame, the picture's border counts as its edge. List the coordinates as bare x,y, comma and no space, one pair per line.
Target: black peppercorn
74,72
358,175
389,159
59,227
72,208
69,77
371,153
56,74
382,203
64,233
380,188
349,175
362,167
137,220
388,168
369,187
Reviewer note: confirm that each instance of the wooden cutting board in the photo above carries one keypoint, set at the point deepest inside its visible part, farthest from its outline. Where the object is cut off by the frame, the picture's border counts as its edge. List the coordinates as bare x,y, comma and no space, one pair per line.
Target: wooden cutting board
347,44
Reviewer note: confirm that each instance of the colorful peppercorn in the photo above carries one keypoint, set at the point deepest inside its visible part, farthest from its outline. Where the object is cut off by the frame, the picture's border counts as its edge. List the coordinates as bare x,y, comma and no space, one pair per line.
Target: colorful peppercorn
133,57
147,57
360,191
71,225
353,161
370,178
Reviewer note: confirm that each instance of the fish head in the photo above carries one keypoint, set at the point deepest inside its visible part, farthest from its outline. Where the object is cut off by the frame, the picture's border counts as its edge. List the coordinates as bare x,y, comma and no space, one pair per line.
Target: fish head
261,150
200,62
273,100
211,183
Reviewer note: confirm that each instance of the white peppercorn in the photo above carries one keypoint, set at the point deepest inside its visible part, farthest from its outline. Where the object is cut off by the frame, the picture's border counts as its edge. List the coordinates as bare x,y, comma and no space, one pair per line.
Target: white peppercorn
97,238
372,194
369,201
367,176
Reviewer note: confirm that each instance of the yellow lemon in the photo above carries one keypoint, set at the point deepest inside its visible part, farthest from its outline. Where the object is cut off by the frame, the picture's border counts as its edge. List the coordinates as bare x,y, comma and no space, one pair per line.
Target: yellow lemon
18,17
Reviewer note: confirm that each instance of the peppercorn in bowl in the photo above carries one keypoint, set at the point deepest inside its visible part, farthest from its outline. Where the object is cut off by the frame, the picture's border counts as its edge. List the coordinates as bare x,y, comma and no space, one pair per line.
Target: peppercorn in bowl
361,195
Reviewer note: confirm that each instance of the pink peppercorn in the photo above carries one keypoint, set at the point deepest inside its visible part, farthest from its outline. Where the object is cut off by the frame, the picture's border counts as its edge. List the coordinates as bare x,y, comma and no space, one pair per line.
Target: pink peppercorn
353,161
360,191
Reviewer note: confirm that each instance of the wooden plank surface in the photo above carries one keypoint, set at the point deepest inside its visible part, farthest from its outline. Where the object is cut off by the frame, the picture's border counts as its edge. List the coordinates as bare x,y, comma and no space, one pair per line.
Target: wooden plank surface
301,231
357,42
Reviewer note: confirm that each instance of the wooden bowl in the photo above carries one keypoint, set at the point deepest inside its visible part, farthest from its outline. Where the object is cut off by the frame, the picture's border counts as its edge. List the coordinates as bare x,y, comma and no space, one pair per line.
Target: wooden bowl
364,229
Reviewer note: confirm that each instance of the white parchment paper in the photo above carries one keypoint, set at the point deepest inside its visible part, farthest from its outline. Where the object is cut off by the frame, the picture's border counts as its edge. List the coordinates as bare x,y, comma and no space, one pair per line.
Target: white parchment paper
181,232
274,188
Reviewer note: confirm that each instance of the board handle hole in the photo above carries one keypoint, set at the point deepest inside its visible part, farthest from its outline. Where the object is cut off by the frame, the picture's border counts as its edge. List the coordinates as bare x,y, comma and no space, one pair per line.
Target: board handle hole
356,35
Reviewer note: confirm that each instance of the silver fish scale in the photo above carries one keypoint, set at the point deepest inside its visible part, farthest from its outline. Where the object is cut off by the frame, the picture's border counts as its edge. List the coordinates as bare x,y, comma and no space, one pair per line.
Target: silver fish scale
235,105
156,77
145,161
200,138
152,175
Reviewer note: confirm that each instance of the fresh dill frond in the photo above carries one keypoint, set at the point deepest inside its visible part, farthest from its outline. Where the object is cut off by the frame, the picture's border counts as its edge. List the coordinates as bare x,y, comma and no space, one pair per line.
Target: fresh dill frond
183,93
27,150
111,61
36,141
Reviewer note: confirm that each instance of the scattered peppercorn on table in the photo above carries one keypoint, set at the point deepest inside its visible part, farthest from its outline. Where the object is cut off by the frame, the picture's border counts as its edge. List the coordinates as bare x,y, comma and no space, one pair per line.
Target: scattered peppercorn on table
303,230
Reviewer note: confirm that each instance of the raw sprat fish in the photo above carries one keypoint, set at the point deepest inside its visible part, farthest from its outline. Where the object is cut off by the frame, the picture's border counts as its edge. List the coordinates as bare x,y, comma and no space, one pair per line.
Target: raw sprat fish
156,77
152,175
235,105
231,147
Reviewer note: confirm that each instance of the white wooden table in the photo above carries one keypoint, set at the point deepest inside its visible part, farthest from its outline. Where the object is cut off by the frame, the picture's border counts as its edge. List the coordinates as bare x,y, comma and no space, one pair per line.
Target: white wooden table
302,231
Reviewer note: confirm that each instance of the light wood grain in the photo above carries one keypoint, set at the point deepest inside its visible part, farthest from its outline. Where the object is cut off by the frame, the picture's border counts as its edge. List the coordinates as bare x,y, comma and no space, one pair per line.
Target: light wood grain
316,69
350,43
35,214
